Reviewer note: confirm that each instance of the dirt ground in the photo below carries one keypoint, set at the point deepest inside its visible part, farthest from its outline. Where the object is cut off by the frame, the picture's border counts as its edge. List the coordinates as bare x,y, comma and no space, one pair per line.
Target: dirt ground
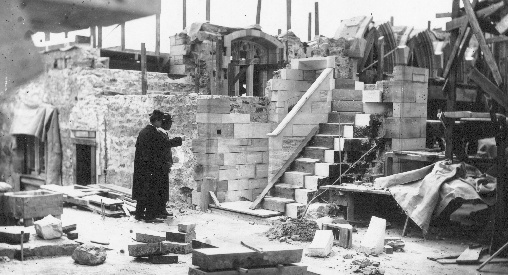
228,230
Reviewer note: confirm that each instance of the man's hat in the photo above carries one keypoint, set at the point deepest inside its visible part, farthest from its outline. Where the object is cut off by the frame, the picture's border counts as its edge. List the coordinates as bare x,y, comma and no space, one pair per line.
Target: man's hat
167,117
156,115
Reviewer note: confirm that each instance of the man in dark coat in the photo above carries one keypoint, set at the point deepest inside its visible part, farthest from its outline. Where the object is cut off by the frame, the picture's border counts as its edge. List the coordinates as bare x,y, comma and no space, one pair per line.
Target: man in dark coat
149,177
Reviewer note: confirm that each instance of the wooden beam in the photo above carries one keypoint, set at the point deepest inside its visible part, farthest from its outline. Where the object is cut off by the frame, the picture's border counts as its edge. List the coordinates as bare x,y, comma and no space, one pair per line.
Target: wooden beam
391,21
455,49
488,87
316,19
456,23
93,36
258,13
443,15
309,35
144,82
207,10
489,58
242,71
99,37
184,14
288,14
122,37
381,54
371,39
284,167
405,36
496,39
157,34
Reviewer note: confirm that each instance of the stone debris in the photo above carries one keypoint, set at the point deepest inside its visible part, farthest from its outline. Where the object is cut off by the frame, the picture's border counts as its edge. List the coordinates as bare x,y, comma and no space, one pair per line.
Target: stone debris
373,241
87,254
49,228
397,245
305,229
367,266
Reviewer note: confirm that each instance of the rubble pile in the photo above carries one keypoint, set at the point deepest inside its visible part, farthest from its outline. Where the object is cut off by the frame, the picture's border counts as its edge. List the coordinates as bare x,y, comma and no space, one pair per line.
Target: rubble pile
305,229
366,266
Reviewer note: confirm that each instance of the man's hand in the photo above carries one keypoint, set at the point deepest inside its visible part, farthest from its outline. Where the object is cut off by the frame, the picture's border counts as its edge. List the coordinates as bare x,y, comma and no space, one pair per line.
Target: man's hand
183,138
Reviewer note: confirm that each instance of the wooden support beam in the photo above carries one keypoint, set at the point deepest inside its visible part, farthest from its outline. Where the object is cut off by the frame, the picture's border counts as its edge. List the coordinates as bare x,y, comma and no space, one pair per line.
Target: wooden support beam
456,47
456,23
405,36
428,25
316,19
157,34
497,39
489,58
207,10
258,13
99,37
309,35
443,15
381,54
184,14
488,87
122,37
392,21
233,81
93,36
144,82
288,14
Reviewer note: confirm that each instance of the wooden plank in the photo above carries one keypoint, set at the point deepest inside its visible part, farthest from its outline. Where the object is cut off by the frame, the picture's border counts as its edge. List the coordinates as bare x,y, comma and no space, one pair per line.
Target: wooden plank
122,36
206,189
242,207
496,39
405,36
212,259
457,22
470,256
443,14
144,80
214,198
456,46
381,62
284,167
487,86
489,58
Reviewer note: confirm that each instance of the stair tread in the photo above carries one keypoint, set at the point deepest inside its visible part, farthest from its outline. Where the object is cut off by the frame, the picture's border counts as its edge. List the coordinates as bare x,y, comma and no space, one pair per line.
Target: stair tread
298,172
340,123
307,160
327,135
317,147
279,199
287,185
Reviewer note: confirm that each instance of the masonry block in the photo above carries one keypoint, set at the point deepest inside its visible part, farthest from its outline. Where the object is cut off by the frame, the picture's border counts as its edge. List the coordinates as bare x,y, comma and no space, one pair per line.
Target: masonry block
289,74
283,190
342,83
209,159
295,178
351,144
372,96
347,106
216,130
377,108
180,49
235,185
163,259
161,248
295,210
363,120
304,195
203,171
320,107
342,117
199,244
322,243
410,73
275,204
234,172
410,110
347,94
213,105
252,130
246,194
150,237
261,171
313,63
258,183
304,165
196,197
401,91
204,146
408,144
186,227
373,240
232,195
301,130
314,182
288,85
309,76
404,127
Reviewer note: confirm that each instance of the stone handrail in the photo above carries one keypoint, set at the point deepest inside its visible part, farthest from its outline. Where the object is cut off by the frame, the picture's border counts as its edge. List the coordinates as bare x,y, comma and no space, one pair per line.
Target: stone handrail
301,102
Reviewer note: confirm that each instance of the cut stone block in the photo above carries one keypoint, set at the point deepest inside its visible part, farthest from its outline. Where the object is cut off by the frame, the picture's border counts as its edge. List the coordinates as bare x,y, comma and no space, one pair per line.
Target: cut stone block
405,127
162,248
408,144
279,270
377,108
304,196
345,235
213,105
346,94
342,117
285,191
322,244
342,83
333,128
372,96
305,165
294,210
179,237
373,240
49,228
186,227
321,140
212,259
289,85
198,244
295,178
314,182
72,235
12,234
410,73
289,74
87,254
313,63
314,152
347,106
151,237
348,131
410,110
363,120
163,259
275,204
330,169
388,249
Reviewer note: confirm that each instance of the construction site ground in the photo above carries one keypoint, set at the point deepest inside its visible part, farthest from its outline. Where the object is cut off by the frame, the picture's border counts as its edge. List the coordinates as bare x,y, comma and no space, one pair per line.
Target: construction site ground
228,230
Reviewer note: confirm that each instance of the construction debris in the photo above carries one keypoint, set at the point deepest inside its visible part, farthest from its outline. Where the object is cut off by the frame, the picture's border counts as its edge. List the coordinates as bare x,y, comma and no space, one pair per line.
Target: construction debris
322,244
304,228
49,228
366,266
373,241
87,254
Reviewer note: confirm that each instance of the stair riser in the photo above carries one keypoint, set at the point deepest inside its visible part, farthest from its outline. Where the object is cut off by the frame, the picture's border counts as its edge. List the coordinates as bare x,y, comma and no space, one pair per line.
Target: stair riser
302,166
314,153
286,193
331,129
313,183
339,156
332,171
347,94
274,205
347,106
342,117
320,141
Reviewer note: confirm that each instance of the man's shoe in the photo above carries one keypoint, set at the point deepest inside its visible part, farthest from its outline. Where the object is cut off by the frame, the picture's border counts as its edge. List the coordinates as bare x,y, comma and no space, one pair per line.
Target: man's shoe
139,218
165,214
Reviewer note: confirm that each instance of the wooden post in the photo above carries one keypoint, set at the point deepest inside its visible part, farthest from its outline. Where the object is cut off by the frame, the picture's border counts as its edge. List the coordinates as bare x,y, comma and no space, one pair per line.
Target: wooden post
381,54
501,209
122,38
310,27
99,37
206,186
219,52
279,31
207,10
144,83
93,36
184,14
391,20
22,240
428,25
316,19
157,34
288,9
258,14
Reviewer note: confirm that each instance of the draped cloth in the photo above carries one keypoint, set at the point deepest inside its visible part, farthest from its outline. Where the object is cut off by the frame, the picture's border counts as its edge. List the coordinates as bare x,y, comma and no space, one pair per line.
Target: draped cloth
425,192
41,121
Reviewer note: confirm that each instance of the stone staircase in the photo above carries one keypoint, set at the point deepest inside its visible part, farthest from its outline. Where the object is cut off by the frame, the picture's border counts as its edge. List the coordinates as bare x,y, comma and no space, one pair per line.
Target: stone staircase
337,145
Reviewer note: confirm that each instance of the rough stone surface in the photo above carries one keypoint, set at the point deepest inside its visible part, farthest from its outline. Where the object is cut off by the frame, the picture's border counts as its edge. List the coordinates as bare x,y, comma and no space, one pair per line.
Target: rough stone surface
162,248
49,228
89,255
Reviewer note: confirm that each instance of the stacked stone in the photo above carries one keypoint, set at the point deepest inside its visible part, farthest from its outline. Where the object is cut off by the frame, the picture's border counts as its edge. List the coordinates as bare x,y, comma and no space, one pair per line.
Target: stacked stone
181,61
231,149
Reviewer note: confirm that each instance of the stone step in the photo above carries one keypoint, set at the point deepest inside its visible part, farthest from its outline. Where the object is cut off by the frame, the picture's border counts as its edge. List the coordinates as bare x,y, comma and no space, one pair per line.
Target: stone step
314,152
304,165
331,170
284,190
321,140
333,156
342,117
295,178
332,128
295,210
342,83
351,144
347,106
304,196
347,94
314,182
276,204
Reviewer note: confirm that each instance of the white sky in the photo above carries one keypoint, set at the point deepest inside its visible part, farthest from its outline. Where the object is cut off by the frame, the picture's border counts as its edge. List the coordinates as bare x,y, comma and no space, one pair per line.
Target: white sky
242,13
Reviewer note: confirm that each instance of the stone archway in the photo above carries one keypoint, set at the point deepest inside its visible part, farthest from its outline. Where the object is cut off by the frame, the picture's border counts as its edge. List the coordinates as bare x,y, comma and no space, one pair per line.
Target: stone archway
251,56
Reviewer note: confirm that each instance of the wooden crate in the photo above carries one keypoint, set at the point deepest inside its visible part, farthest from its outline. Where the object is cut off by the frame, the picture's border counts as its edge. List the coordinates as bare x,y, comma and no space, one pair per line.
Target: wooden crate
32,204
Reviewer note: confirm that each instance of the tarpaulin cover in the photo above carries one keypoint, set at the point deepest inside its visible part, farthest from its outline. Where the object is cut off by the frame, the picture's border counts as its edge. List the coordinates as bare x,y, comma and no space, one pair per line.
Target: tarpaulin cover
426,192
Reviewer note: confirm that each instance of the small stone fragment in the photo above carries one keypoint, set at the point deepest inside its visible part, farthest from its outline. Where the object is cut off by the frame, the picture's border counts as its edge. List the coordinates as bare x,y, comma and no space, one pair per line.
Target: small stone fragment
87,254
